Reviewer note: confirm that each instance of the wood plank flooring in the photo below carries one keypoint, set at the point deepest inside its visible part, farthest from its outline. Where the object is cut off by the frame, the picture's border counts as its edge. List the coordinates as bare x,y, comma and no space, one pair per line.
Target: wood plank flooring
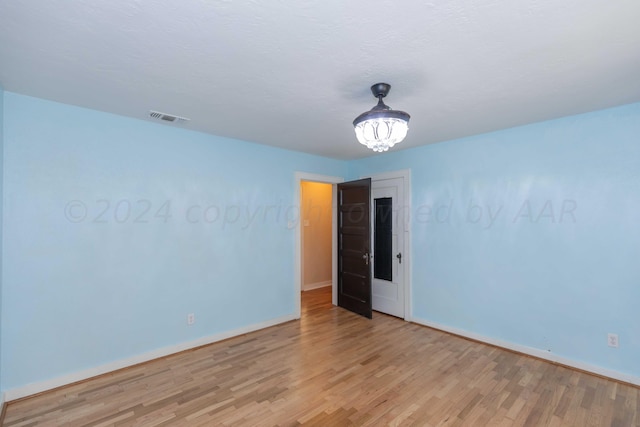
334,368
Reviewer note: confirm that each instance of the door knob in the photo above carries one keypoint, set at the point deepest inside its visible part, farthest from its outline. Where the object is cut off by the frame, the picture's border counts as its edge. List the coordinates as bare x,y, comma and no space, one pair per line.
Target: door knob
399,256
365,257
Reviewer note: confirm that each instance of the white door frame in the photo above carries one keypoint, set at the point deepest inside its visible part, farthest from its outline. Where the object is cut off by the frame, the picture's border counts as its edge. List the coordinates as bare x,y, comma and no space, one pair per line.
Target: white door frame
405,174
298,178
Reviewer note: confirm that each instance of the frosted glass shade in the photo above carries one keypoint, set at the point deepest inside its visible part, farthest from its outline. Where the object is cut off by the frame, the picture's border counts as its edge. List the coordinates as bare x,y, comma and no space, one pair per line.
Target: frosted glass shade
381,133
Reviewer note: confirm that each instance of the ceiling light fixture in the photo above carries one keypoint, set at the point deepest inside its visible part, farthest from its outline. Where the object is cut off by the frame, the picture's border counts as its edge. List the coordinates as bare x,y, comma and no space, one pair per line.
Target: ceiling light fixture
381,127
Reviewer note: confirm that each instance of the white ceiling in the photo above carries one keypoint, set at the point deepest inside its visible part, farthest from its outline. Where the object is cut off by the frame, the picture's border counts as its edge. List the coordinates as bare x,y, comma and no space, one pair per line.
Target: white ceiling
294,74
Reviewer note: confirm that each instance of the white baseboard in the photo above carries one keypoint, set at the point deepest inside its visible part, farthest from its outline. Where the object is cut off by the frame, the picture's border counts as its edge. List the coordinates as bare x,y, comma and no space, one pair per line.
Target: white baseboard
317,285
535,352
39,387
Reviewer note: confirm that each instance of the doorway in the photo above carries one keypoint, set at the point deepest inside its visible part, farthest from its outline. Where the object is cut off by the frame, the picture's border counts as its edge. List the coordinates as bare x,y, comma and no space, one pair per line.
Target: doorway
316,216
297,226
403,218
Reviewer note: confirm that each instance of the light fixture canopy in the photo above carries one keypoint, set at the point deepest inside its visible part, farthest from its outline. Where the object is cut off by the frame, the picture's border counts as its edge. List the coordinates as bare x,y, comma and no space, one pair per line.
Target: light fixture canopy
381,127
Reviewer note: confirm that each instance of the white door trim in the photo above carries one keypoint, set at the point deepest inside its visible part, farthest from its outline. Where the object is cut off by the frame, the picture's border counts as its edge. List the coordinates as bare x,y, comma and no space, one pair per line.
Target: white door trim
405,174
297,280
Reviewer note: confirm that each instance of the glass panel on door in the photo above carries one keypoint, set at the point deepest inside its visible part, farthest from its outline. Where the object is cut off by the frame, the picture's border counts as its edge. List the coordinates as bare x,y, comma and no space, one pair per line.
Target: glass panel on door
382,235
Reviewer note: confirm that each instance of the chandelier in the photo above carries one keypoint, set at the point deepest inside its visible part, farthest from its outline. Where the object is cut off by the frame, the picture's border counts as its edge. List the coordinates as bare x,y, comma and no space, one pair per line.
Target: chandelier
381,127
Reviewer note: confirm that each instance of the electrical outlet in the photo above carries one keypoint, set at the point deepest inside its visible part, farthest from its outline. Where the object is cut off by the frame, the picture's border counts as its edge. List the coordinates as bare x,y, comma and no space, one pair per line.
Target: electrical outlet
612,340
191,319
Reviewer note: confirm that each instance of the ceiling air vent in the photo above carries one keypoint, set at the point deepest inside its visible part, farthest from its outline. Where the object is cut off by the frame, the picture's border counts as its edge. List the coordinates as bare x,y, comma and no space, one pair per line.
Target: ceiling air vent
167,117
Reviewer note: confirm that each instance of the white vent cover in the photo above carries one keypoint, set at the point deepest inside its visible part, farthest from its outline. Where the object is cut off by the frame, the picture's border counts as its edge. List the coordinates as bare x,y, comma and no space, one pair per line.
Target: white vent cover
167,117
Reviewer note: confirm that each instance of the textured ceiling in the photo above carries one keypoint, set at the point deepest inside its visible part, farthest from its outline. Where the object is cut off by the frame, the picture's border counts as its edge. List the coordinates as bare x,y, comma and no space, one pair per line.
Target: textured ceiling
294,74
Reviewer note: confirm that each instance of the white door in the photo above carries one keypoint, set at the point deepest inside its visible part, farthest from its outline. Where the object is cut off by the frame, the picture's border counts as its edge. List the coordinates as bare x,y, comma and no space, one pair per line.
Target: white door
388,223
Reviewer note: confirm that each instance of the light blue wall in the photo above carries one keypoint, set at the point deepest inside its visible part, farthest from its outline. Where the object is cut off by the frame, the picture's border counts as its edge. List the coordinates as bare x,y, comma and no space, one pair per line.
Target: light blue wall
84,287
531,234
492,252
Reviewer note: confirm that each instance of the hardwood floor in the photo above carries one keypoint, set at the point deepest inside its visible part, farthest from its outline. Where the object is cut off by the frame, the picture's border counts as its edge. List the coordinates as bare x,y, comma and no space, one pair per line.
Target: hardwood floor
334,368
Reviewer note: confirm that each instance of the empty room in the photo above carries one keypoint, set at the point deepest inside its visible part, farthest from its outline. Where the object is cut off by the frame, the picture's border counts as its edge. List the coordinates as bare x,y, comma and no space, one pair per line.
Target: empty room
283,213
